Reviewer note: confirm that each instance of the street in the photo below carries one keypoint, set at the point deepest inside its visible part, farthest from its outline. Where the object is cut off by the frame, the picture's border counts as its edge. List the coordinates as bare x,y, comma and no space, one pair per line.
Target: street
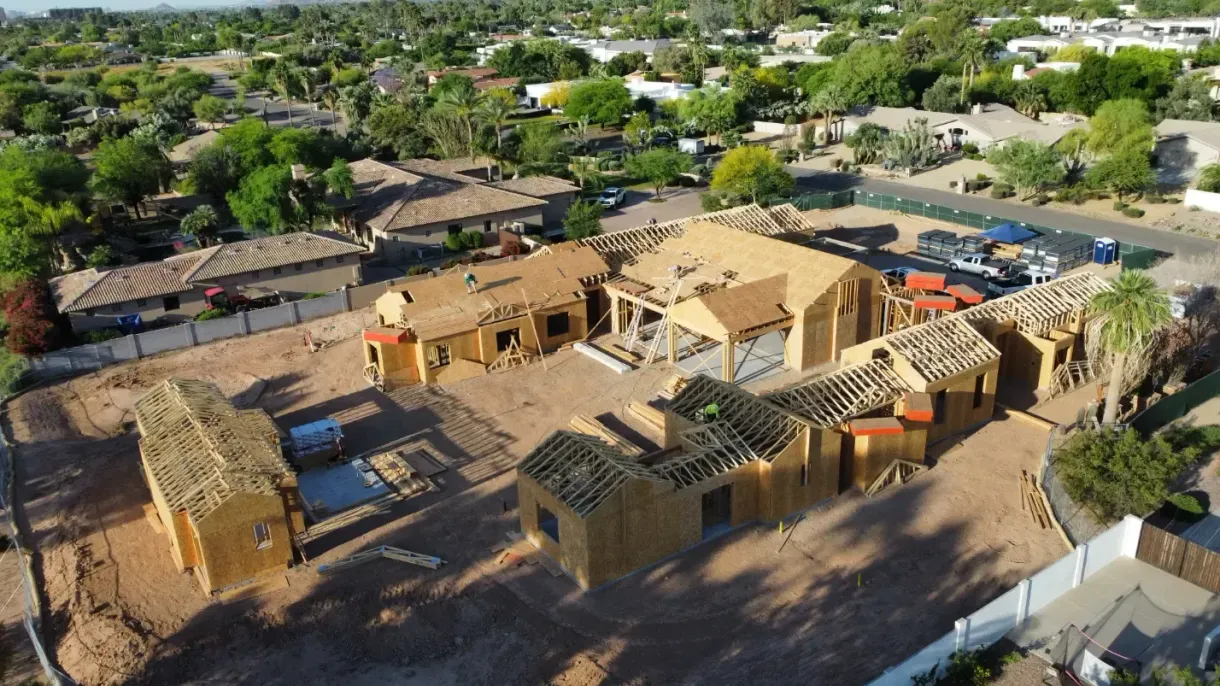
637,210
276,113
1165,241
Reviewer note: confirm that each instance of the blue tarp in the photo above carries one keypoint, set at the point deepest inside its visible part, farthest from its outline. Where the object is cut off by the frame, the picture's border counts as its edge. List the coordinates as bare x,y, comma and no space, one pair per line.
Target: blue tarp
1009,233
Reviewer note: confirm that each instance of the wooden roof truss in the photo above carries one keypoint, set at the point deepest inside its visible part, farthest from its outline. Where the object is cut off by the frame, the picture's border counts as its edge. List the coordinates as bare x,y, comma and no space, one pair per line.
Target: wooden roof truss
581,471
1038,310
623,246
943,348
766,429
718,449
831,399
200,450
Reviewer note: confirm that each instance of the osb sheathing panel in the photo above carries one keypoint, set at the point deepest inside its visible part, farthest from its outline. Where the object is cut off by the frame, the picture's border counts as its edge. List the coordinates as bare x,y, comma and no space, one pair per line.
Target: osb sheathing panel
572,550
960,412
293,506
872,454
226,539
787,495
674,426
634,528
177,531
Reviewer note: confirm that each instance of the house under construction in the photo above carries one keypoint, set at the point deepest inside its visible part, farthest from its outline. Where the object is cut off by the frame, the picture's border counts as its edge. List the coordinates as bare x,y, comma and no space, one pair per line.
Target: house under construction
603,513
714,295
220,486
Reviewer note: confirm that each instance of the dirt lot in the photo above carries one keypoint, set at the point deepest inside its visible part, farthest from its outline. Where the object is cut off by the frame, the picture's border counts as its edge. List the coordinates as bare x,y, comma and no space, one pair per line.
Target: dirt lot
754,606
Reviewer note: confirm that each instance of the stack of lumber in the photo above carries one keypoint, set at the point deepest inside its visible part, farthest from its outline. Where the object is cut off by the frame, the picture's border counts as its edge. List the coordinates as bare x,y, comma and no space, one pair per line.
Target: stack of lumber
1033,502
1007,251
622,353
583,423
650,417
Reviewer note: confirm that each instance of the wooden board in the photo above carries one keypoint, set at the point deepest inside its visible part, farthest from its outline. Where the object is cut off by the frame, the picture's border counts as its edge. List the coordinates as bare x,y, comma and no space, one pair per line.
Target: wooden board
589,426
649,416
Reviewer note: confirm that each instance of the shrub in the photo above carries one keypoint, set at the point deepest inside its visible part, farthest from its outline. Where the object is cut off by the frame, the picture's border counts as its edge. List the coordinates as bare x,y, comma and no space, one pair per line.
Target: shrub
1119,206
1133,212
417,269
1173,201
1186,503
711,202
952,184
999,192
314,296
471,239
686,181
100,335
453,242
699,170
32,321
970,149
1041,199
1155,199
449,264
214,313
982,177
1120,473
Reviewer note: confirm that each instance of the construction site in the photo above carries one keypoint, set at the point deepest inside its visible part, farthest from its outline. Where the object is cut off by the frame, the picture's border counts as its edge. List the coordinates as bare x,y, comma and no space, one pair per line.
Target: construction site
693,451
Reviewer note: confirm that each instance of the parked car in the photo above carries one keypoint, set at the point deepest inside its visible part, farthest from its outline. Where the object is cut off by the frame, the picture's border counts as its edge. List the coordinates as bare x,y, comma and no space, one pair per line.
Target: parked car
612,197
899,273
980,264
1018,283
662,140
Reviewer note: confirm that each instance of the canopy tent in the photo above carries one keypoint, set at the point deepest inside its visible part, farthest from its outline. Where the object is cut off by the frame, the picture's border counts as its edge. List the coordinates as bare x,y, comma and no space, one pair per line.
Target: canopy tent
1009,233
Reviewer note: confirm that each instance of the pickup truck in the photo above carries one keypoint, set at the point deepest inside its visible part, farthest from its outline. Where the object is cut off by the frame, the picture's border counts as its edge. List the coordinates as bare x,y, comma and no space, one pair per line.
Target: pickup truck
978,263
1018,283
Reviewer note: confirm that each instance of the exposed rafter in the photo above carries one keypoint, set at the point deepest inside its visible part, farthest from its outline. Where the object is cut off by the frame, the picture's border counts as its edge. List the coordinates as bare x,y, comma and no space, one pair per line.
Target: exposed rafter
942,348
717,449
1037,310
581,471
843,394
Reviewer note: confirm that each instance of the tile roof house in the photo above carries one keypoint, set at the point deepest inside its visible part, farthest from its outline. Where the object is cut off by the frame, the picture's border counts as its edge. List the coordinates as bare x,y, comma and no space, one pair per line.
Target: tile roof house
1184,147
985,125
291,265
404,210
220,486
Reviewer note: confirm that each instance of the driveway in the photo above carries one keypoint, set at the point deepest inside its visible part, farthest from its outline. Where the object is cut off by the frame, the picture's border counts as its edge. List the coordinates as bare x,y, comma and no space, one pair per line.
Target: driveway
272,110
815,180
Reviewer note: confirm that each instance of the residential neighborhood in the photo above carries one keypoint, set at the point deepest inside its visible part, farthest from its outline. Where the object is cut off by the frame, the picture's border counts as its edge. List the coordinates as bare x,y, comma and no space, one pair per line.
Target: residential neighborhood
606,343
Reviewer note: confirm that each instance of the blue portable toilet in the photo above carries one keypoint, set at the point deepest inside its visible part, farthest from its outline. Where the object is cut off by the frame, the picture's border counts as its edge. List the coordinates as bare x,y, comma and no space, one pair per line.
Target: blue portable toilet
1105,251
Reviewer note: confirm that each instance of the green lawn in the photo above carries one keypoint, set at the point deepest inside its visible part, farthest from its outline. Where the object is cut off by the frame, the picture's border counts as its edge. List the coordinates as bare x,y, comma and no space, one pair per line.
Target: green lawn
550,118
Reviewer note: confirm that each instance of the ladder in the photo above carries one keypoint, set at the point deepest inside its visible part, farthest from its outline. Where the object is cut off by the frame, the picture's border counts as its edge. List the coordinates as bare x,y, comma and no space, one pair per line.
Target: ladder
633,330
675,288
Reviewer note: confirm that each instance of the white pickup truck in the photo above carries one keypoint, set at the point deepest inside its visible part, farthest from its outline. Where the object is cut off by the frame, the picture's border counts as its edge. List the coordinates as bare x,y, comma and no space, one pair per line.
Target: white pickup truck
978,263
1018,283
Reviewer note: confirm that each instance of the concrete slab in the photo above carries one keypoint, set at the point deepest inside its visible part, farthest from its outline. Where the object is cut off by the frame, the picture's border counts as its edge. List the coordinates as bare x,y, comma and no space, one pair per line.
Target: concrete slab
337,488
753,360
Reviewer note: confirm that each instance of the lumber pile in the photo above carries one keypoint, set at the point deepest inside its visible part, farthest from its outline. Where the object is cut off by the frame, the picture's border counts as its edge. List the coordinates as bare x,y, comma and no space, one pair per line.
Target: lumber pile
622,353
1033,502
589,426
675,383
384,551
517,551
650,417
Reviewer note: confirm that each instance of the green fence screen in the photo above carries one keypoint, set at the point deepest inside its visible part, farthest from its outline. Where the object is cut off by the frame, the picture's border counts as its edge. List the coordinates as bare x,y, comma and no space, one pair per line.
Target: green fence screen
1178,405
824,201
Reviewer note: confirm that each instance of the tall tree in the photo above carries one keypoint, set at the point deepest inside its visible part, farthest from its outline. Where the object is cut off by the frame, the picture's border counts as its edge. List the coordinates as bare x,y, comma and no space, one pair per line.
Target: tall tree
751,171
829,101
1029,99
1120,125
49,219
1134,308
462,103
203,223
658,166
495,112
583,220
128,170
972,51
286,82
1028,165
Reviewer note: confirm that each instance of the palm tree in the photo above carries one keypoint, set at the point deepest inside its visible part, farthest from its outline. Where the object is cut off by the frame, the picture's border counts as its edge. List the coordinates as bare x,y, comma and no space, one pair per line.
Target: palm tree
1029,99
286,81
330,97
462,103
495,111
357,102
829,100
1134,308
972,53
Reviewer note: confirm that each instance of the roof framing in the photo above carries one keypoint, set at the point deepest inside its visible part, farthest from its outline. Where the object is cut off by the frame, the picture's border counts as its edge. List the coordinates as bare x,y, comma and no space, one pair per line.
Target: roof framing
581,471
718,449
942,348
1038,310
765,428
831,399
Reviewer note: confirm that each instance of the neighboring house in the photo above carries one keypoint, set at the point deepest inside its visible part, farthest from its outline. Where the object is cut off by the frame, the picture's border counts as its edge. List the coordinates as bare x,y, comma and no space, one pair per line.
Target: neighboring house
475,74
488,84
658,91
404,210
800,39
557,193
172,290
1184,147
437,331
1106,43
181,155
1019,73
387,81
985,126
220,486
604,51
87,115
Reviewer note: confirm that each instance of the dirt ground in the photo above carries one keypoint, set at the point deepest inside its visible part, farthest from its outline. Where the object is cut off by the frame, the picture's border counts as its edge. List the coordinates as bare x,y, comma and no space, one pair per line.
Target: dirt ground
756,605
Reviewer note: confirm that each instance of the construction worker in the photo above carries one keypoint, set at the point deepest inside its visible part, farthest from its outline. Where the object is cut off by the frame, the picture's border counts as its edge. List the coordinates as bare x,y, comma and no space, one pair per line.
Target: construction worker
711,413
472,284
